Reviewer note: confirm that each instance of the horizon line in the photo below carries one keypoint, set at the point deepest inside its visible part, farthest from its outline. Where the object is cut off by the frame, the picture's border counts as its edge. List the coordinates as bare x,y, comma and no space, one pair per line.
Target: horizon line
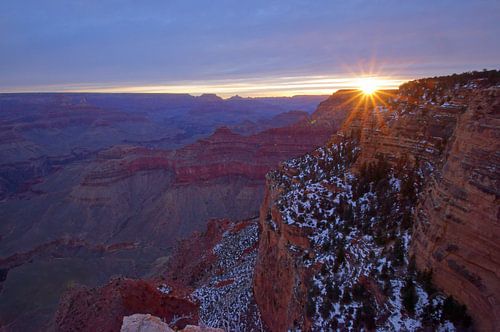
246,88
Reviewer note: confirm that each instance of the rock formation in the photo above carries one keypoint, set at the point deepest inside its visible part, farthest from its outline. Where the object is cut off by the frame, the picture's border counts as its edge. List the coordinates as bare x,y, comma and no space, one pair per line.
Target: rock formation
280,277
207,280
429,155
457,228
102,309
148,323
144,323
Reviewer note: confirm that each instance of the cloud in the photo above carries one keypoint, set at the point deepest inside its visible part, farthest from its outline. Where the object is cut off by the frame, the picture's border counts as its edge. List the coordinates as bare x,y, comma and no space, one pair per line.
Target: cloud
69,42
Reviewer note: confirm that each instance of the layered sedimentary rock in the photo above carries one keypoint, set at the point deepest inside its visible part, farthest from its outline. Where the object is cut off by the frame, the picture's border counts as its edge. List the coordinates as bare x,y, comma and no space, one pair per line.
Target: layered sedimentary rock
48,127
456,231
457,228
280,278
438,141
95,168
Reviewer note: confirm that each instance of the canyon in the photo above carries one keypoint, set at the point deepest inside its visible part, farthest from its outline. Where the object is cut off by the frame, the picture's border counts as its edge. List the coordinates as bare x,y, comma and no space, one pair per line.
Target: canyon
127,172
374,212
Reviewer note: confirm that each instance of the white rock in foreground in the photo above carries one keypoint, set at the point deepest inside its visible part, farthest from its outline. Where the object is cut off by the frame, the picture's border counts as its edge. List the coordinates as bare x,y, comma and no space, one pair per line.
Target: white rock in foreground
144,323
148,323
193,328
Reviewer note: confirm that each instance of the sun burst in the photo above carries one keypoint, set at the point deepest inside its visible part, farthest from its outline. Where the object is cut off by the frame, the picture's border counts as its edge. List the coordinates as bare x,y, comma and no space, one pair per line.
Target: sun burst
368,85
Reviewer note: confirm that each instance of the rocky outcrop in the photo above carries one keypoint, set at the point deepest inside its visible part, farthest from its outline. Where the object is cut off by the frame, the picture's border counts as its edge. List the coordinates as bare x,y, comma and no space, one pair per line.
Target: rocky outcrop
458,220
102,309
280,278
207,280
148,323
455,141
216,268
144,323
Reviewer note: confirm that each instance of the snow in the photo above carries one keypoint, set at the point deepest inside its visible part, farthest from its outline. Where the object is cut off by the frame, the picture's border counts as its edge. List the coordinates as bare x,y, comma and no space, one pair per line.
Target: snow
226,301
316,190
164,289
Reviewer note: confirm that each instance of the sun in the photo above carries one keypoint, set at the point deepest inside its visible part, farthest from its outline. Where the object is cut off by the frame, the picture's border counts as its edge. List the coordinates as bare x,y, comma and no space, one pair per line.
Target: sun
368,85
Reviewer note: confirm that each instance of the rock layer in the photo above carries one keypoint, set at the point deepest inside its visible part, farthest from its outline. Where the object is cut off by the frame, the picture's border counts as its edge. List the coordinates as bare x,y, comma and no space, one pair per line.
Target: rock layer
448,129
457,230
280,279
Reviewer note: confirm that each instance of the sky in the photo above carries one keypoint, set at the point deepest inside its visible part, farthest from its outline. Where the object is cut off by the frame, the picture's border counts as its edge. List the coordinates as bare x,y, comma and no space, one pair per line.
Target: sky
249,48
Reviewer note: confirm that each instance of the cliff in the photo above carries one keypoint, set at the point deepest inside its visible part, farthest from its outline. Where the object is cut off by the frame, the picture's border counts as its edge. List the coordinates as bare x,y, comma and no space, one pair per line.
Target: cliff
280,276
457,221
403,202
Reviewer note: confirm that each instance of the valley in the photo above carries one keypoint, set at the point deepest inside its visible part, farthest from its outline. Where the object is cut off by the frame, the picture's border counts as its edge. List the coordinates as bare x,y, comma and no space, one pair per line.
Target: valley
370,213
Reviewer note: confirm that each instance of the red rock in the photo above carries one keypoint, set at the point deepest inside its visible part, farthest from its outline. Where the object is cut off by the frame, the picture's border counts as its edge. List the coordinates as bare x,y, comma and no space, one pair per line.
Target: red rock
457,230
102,309
457,218
280,279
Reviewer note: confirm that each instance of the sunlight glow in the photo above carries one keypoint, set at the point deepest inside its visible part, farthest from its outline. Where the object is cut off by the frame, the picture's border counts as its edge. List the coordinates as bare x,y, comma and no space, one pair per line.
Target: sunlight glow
369,85
246,87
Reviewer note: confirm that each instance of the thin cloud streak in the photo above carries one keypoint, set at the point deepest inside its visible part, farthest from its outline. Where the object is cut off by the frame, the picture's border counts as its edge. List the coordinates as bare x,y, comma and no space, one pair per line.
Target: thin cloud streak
280,86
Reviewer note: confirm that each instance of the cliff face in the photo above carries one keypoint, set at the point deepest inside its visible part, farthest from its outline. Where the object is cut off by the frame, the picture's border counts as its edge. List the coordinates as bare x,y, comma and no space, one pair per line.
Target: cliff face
279,268
284,248
422,188
457,227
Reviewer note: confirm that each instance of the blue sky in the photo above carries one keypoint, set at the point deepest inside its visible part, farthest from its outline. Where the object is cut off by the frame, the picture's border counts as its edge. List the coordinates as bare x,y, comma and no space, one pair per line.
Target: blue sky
194,45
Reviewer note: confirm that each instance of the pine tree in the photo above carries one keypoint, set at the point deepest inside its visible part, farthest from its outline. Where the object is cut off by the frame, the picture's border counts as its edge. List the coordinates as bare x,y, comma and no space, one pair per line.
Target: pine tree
409,295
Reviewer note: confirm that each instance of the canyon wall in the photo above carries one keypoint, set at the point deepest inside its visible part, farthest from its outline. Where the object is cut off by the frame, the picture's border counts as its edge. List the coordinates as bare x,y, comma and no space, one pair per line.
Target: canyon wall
457,227
443,133
280,278
457,218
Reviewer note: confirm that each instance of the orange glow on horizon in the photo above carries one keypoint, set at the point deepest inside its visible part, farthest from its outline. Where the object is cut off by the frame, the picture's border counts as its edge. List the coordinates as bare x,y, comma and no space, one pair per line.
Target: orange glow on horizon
251,87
